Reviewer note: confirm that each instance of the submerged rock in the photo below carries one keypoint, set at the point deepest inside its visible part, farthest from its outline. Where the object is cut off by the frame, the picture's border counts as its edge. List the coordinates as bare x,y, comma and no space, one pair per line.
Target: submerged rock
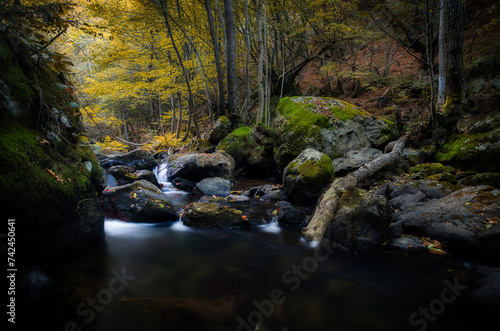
209,215
305,177
139,201
362,221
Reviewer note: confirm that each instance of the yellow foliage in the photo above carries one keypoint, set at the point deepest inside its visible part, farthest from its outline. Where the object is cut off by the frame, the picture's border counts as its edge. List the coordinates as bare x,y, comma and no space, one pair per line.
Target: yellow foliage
113,145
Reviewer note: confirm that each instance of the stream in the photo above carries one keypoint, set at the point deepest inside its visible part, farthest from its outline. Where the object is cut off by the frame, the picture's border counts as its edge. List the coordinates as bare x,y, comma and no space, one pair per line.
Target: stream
171,277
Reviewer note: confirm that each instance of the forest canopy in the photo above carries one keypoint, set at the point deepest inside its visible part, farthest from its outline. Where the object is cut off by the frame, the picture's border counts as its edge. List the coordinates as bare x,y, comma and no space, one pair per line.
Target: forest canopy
150,68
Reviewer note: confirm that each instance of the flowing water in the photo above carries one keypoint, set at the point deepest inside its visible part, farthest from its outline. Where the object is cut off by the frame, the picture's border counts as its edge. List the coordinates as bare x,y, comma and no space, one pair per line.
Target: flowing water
172,277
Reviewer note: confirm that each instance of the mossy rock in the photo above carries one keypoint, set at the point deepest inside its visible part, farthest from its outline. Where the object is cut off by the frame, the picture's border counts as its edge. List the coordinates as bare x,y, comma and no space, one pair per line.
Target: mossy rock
221,129
443,176
476,150
210,215
305,177
425,170
238,144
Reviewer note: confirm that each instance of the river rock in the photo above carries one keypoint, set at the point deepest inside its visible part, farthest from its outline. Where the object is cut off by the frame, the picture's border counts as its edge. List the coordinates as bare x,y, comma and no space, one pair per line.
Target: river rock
288,214
196,167
139,159
362,222
210,215
215,186
459,220
408,244
252,151
126,175
305,177
274,194
140,201
354,159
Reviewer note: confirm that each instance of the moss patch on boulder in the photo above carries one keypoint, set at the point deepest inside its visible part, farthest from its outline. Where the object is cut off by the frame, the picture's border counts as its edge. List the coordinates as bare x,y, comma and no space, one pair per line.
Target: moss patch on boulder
305,177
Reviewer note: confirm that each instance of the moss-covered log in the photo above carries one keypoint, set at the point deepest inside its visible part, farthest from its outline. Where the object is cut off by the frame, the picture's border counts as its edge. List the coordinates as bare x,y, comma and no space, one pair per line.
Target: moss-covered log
327,206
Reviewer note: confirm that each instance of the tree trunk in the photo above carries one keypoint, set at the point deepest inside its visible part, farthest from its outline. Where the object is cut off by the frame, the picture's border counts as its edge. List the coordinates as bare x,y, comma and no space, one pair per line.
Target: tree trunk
247,65
232,82
326,208
455,86
218,66
260,64
442,53
186,75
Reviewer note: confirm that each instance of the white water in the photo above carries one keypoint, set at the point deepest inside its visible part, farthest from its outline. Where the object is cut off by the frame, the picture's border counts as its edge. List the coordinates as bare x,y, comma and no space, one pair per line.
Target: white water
271,227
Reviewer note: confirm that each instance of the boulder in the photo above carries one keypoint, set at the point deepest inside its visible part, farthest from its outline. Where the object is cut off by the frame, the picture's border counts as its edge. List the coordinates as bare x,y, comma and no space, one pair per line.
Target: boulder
221,129
139,159
458,220
215,186
362,222
210,215
196,167
487,178
288,214
354,159
305,177
126,175
140,201
478,149
274,194
331,126
238,144
204,146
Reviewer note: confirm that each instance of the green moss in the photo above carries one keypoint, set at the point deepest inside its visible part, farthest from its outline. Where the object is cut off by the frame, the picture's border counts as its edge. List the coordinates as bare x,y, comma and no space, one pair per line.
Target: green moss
346,111
429,169
224,120
465,147
300,114
33,194
238,143
12,75
314,171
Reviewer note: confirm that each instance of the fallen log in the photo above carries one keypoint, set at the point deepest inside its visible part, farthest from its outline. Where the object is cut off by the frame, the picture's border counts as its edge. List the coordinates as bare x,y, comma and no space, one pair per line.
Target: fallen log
325,209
